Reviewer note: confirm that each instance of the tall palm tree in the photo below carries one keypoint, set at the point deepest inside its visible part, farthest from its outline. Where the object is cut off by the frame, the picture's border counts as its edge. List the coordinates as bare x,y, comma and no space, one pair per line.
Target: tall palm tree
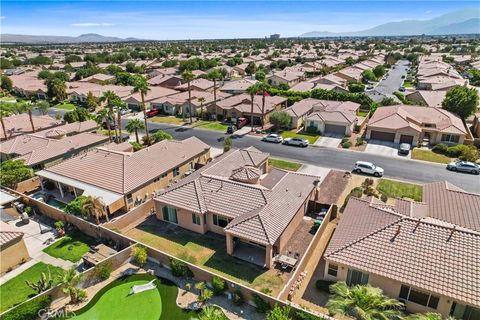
188,76
201,100
362,302
120,105
215,75
133,126
70,279
141,85
56,88
211,313
102,116
111,99
26,106
6,109
94,206
252,91
263,87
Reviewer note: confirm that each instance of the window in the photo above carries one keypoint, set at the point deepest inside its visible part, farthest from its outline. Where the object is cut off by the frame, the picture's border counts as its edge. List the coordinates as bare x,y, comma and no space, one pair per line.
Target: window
450,138
355,277
204,219
170,214
429,125
176,171
220,221
464,312
332,269
129,198
195,219
422,298
156,179
163,175
192,165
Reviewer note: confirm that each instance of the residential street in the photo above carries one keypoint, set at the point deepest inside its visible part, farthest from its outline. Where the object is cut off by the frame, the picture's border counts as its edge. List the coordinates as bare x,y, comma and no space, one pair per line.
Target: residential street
394,79
398,168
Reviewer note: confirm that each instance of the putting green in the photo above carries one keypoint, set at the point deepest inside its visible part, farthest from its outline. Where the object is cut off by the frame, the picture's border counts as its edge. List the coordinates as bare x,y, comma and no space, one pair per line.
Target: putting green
115,303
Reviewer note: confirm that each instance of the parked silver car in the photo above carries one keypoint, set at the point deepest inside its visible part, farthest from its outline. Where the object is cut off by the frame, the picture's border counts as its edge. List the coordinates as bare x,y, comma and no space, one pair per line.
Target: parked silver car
275,138
299,142
368,168
464,166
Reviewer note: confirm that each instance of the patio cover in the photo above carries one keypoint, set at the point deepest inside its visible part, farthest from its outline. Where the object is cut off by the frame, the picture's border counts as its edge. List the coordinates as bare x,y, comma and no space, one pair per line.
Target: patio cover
108,197
6,198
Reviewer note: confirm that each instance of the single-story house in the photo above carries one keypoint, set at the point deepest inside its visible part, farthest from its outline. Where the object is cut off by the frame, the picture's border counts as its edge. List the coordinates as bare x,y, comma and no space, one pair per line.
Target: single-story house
134,101
167,81
124,179
427,97
350,74
99,78
199,84
19,124
413,124
421,253
13,250
286,77
235,197
237,86
332,80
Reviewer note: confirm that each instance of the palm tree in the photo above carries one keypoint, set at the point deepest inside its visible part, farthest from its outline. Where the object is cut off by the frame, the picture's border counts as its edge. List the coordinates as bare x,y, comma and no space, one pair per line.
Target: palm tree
141,85
102,116
120,106
211,313
263,89
6,109
188,76
252,91
111,99
94,206
362,302
133,126
70,279
215,75
201,100
26,106
56,88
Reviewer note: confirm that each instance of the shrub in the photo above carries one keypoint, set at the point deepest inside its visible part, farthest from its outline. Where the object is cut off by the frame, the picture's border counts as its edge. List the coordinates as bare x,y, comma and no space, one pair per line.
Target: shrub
356,192
311,130
179,268
346,144
75,207
367,183
260,305
104,270
29,310
139,255
323,285
161,135
147,140
359,141
440,148
370,191
59,224
218,285
238,299
227,144
470,154
384,197
81,294
136,146
302,315
456,151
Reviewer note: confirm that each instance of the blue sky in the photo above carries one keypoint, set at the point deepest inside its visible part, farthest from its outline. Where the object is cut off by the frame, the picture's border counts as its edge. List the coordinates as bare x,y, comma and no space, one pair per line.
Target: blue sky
162,20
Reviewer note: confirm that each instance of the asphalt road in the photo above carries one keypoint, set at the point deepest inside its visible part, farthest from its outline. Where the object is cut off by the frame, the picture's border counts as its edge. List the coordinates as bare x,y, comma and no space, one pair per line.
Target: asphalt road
397,168
394,79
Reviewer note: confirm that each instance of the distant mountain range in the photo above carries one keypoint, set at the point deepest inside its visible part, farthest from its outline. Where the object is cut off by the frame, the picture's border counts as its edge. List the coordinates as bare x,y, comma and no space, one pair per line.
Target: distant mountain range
88,37
465,21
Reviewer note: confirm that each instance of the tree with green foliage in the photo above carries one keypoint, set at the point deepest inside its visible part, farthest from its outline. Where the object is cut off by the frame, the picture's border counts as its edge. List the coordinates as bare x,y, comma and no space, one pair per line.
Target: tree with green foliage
112,101
188,77
202,101
260,75
56,89
141,85
13,172
134,125
7,83
379,71
75,207
91,103
211,313
26,106
349,61
474,77
362,302
43,284
279,313
70,279
252,91
214,75
280,119
161,135
262,88
355,87
140,255
462,101
94,207
368,75
227,144
251,68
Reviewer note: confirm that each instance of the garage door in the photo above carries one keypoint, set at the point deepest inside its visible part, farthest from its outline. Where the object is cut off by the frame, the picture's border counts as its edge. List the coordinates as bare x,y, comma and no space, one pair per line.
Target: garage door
406,139
331,128
383,136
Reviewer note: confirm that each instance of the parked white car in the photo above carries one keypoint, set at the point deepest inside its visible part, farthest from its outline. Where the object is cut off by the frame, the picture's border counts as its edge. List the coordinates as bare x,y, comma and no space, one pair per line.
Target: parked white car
368,168
299,142
275,138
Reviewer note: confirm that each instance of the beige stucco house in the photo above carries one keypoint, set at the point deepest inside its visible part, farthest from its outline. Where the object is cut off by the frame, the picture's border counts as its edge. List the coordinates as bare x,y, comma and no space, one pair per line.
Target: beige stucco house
12,247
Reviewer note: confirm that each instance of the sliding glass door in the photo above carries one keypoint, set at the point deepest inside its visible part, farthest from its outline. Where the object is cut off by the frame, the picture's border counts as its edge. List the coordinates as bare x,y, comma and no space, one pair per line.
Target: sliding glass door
170,214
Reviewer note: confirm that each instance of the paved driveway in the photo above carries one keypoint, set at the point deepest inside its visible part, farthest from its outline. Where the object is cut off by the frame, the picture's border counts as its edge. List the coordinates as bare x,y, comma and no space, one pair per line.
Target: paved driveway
329,141
314,170
384,148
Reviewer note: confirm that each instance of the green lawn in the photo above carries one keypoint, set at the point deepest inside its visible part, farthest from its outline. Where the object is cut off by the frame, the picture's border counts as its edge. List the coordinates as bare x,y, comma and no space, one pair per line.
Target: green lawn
8,99
211,125
71,247
362,113
408,84
65,106
283,164
168,119
428,155
397,189
15,290
291,134
207,251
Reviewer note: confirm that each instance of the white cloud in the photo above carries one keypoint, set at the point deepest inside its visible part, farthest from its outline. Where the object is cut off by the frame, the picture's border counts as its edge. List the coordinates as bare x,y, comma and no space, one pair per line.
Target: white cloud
428,11
2,17
92,24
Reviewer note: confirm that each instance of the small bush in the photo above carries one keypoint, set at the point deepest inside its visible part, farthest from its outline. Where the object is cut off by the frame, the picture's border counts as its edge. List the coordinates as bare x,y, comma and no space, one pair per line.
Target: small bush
136,146
384,197
29,310
311,130
370,191
440,148
140,255
179,268
456,151
81,294
367,183
218,285
59,224
357,192
260,305
104,270
359,142
227,144
238,299
470,154
346,144
323,285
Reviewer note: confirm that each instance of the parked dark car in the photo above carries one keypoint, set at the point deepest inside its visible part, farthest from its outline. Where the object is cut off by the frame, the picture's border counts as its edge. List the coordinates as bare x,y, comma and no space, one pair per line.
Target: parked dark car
110,123
152,113
241,122
231,129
